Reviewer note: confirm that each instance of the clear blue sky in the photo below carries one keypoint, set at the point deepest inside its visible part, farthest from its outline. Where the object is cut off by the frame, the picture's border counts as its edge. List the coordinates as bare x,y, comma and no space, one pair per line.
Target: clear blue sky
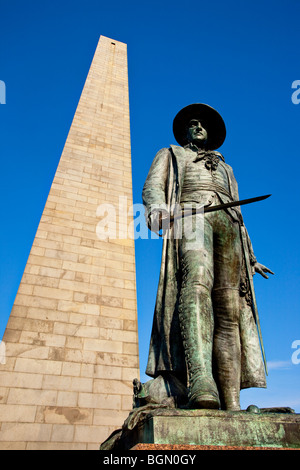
239,57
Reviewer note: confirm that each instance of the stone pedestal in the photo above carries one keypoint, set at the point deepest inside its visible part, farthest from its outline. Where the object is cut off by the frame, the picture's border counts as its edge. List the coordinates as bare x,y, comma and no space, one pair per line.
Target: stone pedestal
174,428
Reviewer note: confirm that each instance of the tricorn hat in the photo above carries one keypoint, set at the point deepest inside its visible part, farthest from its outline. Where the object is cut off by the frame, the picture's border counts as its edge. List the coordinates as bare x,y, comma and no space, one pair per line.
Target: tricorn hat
209,118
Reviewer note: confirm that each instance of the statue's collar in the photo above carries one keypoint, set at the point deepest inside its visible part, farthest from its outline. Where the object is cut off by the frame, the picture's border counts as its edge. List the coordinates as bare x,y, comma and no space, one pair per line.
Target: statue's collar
203,152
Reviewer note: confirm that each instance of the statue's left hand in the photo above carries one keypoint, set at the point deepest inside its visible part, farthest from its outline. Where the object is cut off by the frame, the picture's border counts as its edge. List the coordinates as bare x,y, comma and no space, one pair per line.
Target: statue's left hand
261,269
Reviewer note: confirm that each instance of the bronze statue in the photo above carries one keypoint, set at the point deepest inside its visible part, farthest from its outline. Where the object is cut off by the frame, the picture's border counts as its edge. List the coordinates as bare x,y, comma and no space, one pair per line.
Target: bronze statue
204,331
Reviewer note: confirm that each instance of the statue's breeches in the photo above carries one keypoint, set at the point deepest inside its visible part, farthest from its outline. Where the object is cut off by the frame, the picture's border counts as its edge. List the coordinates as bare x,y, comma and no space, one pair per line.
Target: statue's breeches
210,258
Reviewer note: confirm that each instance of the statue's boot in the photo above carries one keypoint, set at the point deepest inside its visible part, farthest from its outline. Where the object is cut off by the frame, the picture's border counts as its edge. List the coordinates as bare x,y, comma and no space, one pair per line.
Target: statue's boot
227,349
203,394
196,324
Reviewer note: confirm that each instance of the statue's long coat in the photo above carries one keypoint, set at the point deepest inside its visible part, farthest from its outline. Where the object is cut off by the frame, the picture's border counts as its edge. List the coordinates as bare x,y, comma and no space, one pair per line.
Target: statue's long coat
163,185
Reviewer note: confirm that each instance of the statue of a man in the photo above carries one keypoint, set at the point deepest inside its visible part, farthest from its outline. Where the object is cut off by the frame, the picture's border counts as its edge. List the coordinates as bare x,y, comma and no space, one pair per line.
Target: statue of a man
204,332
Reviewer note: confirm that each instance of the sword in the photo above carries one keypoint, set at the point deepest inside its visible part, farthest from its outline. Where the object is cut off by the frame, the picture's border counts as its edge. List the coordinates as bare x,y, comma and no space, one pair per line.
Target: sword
219,207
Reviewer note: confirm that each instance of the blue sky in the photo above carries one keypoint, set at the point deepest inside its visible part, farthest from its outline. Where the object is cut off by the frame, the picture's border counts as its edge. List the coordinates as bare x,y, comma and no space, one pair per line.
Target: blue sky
239,57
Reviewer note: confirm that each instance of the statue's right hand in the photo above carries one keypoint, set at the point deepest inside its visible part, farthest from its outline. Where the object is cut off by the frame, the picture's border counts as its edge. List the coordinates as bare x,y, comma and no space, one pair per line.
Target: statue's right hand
156,219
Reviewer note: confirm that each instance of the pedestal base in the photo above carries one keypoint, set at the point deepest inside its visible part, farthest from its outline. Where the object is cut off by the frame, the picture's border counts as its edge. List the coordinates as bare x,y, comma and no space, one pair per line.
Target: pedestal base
188,448
241,429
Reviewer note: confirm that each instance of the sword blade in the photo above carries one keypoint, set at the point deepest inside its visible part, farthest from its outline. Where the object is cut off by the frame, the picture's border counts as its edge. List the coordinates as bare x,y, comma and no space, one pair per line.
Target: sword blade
235,203
219,207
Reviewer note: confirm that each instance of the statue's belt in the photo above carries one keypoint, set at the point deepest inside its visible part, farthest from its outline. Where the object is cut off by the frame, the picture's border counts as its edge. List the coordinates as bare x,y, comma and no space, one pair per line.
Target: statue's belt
216,188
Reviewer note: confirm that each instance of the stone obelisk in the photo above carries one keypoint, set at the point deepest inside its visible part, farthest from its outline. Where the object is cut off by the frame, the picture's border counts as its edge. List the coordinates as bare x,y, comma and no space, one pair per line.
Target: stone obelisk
71,340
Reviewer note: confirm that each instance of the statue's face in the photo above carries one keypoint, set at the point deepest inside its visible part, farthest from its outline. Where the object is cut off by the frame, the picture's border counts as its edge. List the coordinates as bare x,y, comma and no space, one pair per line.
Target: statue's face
197,133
